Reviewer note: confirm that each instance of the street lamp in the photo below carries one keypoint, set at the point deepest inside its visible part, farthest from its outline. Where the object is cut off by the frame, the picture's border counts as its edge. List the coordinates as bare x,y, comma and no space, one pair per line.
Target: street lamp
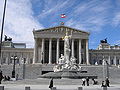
13,72
3,19
105,68
23,62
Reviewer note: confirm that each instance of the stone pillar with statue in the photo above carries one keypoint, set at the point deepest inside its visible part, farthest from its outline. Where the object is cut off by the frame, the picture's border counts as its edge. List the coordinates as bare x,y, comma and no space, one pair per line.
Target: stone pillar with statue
66,62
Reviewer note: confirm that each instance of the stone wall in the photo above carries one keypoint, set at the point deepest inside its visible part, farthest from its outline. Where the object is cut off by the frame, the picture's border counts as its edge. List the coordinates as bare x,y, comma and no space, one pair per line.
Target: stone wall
33,71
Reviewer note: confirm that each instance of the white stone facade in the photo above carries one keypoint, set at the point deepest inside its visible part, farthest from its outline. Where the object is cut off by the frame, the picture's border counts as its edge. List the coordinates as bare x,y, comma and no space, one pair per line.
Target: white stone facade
49,45
97,56
21,53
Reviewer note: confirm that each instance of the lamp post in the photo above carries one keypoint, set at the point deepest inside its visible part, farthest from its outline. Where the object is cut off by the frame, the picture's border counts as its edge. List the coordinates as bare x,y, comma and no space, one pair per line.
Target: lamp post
23,61
13,72
2,29
105,69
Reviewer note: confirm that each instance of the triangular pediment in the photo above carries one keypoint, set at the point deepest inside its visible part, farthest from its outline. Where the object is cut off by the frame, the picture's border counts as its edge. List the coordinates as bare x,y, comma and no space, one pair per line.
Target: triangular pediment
60,29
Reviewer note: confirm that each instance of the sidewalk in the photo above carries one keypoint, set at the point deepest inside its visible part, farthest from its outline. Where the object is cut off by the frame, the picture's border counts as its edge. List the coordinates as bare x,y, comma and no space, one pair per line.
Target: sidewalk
59,87
60,84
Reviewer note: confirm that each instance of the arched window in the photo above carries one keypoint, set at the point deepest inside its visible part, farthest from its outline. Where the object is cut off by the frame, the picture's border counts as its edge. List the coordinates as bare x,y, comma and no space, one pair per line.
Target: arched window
117,62
31,60
111,62
4,60
17,61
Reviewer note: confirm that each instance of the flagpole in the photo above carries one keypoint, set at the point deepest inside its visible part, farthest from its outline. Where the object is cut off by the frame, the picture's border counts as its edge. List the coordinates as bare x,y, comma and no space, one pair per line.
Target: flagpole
2,30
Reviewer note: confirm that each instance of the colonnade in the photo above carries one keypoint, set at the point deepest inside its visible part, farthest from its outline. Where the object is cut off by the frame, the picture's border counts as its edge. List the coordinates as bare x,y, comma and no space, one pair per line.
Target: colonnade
42,51
112,60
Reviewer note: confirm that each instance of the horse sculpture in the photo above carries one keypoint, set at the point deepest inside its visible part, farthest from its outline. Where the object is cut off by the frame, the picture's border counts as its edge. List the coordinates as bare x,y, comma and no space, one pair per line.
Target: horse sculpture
7,38
104,41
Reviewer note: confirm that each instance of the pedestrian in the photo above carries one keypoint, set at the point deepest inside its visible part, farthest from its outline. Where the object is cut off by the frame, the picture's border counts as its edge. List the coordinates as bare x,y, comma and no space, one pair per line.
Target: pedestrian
107,82
83,81
94,82
17,76
8,77
5,78
87,81
51,84
103,84
1,76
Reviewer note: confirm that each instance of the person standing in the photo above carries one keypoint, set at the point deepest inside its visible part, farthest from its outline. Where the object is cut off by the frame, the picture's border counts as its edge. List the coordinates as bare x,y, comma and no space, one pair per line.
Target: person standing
107,82
87,81
1,76
103,85
51,84
83,81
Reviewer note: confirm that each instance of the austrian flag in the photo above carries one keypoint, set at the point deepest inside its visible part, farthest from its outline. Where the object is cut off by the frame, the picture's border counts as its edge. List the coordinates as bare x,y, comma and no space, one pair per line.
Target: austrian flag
63,15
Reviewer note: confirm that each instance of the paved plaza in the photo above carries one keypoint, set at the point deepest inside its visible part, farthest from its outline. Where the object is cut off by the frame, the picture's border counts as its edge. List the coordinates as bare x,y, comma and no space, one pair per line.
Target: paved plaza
60,84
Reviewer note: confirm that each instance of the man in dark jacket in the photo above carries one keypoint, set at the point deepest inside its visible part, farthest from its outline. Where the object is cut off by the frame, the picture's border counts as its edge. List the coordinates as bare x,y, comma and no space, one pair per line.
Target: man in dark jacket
87,81
107,82
51,84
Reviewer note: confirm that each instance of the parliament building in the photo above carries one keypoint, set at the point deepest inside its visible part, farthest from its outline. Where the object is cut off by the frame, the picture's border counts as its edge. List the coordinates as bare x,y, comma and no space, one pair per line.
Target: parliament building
49,45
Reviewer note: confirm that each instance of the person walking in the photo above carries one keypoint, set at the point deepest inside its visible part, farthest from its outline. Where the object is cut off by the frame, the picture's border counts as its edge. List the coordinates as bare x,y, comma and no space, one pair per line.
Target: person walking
51,84
87,81
103,85
107,82
83,81
1,76
94,81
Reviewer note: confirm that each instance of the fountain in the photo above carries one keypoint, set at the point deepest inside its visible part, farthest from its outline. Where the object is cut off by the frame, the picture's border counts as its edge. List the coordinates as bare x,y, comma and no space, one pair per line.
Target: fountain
66,66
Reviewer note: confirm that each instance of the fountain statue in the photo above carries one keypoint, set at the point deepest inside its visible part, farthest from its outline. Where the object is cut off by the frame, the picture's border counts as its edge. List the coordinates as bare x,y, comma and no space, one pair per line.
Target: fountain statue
66,66
67,62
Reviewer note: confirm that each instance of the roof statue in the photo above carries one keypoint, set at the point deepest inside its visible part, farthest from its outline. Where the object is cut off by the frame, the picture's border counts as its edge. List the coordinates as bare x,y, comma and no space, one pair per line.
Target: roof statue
103,41
7,38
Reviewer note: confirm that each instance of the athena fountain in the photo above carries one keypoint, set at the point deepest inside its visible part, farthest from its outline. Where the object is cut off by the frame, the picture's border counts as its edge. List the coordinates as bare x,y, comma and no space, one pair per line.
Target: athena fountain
66,66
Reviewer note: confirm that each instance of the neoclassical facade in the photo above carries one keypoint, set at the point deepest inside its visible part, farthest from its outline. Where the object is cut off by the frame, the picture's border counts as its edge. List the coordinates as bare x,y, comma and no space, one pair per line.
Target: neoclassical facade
105,51
49,45
21,53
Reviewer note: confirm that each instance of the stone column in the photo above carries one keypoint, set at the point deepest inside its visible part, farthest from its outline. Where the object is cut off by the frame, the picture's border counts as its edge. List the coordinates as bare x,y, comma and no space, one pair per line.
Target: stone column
109,60
35,51
50,50
57,50
79,51
87,53
42,51
114,60
72,47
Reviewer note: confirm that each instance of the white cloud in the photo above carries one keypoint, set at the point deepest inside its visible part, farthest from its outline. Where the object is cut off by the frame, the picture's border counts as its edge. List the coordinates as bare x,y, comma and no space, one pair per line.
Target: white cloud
19,21
116,19
90,16
53,7
117,42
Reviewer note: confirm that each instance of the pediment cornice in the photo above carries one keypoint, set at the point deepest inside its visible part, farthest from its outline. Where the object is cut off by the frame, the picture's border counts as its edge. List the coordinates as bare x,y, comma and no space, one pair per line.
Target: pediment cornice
60,29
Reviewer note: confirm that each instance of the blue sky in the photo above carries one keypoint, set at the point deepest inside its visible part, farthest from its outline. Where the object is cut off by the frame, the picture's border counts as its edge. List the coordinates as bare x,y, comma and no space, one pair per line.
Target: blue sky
99,17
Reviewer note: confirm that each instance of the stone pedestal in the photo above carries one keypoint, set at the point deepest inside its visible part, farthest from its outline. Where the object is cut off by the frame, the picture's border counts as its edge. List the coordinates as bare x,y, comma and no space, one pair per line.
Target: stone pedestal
104,88
80,88
1,87
27,88
53,88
